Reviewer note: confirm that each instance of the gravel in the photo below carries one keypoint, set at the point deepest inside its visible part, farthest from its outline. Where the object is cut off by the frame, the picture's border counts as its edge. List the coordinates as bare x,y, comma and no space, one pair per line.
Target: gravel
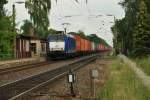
60,90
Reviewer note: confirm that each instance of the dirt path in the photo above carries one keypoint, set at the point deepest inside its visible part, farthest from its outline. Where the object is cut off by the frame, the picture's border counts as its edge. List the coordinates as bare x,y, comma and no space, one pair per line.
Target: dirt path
145,79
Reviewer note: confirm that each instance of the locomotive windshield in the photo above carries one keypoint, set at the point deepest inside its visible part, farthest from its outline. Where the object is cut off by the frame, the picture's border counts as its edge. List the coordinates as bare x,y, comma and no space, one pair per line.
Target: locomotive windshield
56,38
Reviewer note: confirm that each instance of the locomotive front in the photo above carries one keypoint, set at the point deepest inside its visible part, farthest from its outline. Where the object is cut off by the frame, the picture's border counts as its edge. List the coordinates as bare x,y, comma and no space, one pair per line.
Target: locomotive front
56,46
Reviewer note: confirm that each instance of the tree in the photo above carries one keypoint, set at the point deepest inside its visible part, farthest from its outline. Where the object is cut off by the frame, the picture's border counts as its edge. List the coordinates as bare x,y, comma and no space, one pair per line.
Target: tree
96,39
6,34
142,32
53,31
6,37
124,30
147,2
82,34
126,26
2,12
39,10
26,27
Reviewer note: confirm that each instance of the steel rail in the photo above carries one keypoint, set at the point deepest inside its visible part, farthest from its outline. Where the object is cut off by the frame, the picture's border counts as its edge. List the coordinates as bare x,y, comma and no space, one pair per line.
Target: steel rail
16,89
23,67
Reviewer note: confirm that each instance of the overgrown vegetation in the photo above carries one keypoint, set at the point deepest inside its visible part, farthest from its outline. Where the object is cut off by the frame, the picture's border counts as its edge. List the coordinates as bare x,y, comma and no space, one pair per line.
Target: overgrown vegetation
6,34
123,84
132,33
144,64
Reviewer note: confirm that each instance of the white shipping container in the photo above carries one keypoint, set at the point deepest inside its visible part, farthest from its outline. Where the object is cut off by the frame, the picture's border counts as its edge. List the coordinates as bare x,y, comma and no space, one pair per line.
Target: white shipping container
93,46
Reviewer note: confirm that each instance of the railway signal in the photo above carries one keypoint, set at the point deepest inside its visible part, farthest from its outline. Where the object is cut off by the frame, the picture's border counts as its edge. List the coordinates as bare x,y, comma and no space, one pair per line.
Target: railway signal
94,75
71,80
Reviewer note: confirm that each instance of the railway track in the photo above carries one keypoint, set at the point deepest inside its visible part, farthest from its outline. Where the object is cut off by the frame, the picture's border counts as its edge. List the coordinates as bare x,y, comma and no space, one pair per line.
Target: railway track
24,67
19,88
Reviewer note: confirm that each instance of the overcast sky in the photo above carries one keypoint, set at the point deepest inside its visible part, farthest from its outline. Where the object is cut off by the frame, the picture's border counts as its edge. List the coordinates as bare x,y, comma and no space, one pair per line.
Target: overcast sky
81,16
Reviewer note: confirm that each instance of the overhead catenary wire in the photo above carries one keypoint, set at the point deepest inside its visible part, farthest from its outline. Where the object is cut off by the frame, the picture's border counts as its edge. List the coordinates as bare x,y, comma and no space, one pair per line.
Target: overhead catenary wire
56,5
74,3
67,16
91,18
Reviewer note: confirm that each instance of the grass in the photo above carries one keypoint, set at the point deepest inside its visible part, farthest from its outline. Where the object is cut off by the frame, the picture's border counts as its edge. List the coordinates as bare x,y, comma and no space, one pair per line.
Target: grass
122,84
144,64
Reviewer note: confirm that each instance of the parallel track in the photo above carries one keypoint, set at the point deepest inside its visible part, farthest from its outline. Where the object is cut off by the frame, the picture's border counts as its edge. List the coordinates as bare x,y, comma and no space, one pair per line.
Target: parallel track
19,88
24,67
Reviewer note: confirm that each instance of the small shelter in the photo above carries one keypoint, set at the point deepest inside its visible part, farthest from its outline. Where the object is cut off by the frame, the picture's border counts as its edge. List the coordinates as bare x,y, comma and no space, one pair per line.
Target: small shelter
29,46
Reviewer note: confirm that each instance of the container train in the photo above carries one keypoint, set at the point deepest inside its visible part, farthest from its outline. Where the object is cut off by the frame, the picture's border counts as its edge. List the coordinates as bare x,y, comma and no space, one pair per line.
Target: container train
67,45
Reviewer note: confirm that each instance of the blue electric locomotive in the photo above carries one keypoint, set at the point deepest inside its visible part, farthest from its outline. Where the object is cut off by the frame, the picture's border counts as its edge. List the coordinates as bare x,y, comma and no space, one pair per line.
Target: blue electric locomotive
60,45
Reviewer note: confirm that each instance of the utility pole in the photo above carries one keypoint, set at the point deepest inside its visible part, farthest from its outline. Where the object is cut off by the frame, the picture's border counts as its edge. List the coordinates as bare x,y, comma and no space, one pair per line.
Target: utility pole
14,13
13,17
13,30
14,25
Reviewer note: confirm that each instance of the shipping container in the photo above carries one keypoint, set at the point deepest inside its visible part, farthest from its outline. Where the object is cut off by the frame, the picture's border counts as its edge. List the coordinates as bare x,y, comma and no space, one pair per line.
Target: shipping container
92,46
96,45
85,45
82,44
101,46
89,45
78,42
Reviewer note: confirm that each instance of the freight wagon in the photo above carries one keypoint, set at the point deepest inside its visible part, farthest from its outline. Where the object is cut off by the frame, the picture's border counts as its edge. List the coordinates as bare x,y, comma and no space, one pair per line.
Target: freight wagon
67,45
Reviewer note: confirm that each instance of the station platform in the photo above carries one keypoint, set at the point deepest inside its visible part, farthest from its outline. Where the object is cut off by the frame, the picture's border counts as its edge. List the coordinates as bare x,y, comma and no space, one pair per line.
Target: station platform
16,62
